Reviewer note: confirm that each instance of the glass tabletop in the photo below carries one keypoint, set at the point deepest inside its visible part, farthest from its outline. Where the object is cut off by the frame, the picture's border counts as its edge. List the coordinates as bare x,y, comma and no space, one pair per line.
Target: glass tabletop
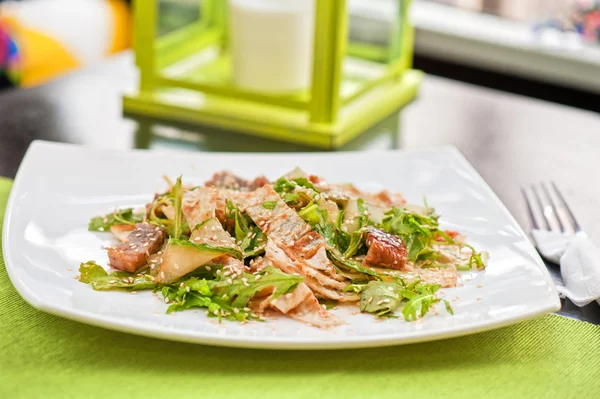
156,134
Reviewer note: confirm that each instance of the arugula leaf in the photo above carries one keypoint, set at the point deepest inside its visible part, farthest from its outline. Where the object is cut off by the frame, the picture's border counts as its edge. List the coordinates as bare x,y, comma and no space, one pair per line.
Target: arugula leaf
270,205
123,216
381,298
317,219
95,275
243,288
329,303
349,264
248,235
342,238
177,192
356,238
225,297
356,288
304,182
420,300
283,185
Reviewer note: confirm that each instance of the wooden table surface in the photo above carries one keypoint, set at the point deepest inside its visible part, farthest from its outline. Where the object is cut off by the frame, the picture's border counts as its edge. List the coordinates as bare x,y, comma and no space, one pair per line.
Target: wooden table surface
511,140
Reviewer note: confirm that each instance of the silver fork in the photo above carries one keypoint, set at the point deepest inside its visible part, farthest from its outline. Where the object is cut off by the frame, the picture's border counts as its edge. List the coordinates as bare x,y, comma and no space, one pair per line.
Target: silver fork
549,211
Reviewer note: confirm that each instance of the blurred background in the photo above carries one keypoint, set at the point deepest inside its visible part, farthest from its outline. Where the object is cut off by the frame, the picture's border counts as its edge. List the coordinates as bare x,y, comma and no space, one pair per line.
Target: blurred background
548,49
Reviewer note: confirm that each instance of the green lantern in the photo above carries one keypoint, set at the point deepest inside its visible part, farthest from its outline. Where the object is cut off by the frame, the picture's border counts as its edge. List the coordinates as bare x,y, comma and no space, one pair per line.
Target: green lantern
188,75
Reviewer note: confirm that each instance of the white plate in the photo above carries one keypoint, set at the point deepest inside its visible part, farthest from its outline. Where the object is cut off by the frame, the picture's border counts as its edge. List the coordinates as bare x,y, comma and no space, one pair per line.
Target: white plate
59,187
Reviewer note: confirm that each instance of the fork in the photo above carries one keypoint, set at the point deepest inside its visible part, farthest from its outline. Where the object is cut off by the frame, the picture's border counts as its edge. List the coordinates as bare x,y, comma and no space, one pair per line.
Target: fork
548,210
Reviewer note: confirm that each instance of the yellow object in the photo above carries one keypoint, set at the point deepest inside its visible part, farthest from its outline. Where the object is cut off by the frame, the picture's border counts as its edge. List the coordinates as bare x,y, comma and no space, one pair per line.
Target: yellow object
42,57
55,36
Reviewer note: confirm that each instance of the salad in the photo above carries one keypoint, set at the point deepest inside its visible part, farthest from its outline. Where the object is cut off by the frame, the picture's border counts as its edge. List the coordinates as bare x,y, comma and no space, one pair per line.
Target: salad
298,246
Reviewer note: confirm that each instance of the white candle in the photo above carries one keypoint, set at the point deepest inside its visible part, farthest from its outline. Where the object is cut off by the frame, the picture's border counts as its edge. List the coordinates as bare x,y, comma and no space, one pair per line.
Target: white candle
272,44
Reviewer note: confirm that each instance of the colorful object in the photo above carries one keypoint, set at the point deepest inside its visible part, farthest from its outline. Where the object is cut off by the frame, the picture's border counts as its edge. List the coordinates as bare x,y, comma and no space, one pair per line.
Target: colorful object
41,39
9,54
187,76
582,17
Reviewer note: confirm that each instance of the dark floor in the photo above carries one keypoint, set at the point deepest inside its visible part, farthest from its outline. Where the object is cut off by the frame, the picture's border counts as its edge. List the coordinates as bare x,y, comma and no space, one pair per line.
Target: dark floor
495,80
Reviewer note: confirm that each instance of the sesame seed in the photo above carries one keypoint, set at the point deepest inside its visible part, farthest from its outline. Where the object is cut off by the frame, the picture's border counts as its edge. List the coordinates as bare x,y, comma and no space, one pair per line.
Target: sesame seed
176,266
188,289
257,277
216,312
370,300
387,300
133,292
207,268
206,313
229,281
162,275
236,310
390,288
246,283
112,281
227,273
379,302
213,238
166,299
324,307
219,272
246,309
479,286
249,234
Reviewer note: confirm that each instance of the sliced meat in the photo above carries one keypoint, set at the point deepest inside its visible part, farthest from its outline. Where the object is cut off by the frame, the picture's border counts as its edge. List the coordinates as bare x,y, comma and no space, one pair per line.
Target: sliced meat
226,179
198,205
142,242
446,277
301,304
385,250
121,231
282,261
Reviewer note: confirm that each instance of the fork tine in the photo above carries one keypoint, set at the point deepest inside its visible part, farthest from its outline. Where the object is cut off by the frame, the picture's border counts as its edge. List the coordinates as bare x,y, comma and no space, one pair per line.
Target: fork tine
532,217
564,205
547,209
555,206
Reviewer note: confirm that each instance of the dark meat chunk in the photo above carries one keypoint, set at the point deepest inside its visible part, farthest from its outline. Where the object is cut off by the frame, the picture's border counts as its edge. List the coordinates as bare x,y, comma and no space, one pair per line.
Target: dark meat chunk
385,250
142,242
227,179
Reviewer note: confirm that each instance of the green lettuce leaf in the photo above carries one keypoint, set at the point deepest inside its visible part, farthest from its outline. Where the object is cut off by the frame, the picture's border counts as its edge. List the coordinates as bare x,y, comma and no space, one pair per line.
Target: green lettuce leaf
381,298
95,275
270,205
225,297
317,219
122,216
248,235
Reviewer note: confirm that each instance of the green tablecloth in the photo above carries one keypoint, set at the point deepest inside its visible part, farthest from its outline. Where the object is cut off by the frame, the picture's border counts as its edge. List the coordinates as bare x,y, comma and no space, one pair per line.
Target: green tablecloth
43,356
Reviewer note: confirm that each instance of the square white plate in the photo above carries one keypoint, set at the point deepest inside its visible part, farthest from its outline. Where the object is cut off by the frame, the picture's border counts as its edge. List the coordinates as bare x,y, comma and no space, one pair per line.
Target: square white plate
60,187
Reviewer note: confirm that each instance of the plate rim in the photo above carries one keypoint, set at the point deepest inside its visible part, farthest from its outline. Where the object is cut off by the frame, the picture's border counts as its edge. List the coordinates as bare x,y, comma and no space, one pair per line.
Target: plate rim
290,343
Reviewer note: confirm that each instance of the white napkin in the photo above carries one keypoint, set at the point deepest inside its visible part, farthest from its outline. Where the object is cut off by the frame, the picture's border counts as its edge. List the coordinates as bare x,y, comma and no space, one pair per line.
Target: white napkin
579,261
